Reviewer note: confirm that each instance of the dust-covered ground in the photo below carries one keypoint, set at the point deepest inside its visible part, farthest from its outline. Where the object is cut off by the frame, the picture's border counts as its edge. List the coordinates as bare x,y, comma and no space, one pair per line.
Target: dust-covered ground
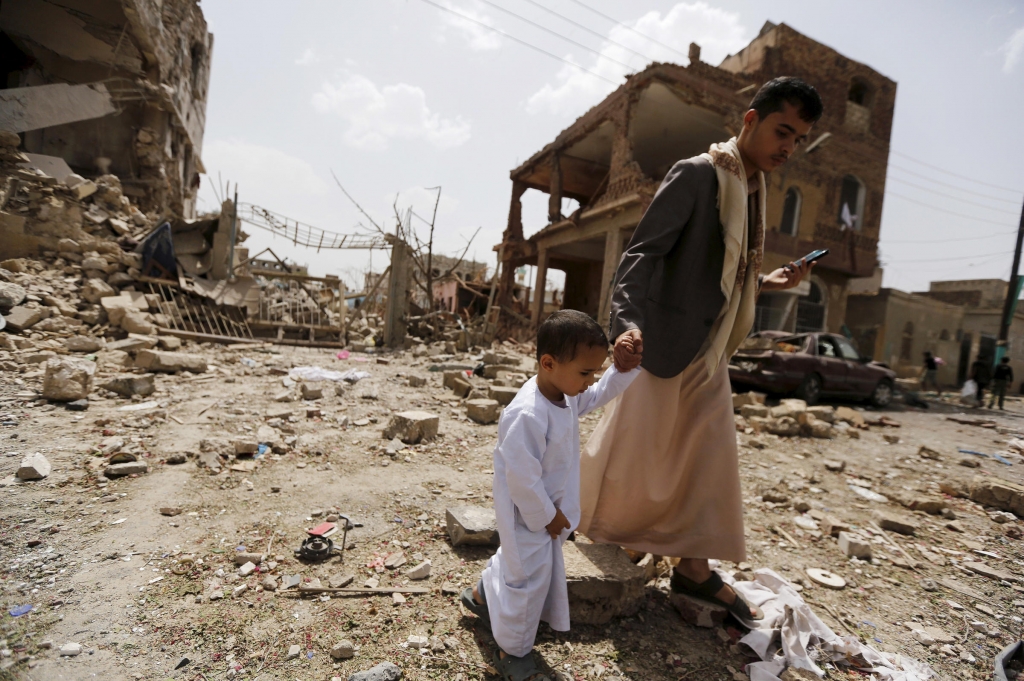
99,563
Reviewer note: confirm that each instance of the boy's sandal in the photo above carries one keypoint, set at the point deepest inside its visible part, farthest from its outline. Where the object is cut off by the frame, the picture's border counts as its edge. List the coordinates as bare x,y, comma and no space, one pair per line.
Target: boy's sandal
478,609
706,591
512,668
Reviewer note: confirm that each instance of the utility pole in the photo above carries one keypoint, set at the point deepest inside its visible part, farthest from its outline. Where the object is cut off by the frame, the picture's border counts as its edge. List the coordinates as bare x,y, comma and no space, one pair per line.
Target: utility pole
1012,293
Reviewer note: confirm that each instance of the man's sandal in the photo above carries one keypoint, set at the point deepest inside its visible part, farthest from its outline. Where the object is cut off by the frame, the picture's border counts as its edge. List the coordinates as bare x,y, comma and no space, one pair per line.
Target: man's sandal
706,591
512,668
478,609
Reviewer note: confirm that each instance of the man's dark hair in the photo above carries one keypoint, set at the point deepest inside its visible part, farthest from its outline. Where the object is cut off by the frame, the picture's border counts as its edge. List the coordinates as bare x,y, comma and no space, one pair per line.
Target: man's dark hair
565,331
804,97
1006,360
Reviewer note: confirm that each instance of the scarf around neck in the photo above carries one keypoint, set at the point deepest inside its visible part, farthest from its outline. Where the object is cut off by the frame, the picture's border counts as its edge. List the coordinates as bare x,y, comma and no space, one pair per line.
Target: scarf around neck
742,257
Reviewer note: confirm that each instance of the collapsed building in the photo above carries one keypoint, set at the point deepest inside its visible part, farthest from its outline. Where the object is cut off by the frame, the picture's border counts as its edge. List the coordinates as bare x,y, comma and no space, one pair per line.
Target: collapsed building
111,87
613,158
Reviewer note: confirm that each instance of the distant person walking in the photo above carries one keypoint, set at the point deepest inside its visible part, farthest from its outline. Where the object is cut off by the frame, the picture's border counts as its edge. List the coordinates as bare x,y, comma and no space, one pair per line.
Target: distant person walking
931,373
981,373
1001,380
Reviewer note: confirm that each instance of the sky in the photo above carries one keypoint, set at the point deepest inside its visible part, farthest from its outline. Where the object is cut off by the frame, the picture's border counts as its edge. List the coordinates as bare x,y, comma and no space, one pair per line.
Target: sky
395,98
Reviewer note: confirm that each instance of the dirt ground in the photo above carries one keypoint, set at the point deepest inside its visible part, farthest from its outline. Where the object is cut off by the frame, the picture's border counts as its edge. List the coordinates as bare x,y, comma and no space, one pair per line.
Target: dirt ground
94,557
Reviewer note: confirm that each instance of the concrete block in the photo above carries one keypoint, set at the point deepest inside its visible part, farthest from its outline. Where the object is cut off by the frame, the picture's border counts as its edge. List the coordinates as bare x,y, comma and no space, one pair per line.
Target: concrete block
412,427
789,407
1001,494
133,343
854,546
698,613
67,379
483,411
461,387
131,468
131,384
754,410
95,290
155,360
312,391
502,395
603,582
832,526
894,523
83,344
472,526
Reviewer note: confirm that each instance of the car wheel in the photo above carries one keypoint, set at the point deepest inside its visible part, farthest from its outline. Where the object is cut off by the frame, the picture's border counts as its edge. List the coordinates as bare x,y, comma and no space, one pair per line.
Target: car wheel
882,395
810,390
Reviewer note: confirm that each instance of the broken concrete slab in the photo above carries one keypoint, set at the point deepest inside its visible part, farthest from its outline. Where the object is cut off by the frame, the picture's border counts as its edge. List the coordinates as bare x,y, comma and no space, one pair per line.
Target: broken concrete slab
412,427
1001,494
119,470
854,546
483,411
461,387
132,343
698,613
754,410
170,362
894,523
603,582
33,467
472,526
95,290
421,571
67,379
11,294
984,570
83,344
312,391
385,671
21,317
131,384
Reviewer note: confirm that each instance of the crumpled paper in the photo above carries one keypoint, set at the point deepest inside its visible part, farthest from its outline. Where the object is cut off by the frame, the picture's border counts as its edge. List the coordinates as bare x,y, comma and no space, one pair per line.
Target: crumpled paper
791,635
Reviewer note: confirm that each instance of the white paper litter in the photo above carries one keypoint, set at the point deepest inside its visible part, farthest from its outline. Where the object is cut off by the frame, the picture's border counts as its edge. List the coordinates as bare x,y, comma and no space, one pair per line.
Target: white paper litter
791,635
321,374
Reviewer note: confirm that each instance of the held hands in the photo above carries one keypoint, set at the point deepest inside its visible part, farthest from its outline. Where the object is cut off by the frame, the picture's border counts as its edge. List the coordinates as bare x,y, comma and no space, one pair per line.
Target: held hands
557,524
787,277
628,350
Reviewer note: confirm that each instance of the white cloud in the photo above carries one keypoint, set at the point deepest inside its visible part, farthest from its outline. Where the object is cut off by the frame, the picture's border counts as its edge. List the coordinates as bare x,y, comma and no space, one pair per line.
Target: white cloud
308,57
717,31
377,115
265,176
422,201
1013,49
476,36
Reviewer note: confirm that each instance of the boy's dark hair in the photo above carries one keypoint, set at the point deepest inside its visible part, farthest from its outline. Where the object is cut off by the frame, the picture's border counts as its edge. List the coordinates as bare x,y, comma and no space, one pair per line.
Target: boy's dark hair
565,331
1006,359
804,97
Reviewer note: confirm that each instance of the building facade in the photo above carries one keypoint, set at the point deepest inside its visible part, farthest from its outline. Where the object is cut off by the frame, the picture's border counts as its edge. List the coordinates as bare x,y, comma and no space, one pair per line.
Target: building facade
613,158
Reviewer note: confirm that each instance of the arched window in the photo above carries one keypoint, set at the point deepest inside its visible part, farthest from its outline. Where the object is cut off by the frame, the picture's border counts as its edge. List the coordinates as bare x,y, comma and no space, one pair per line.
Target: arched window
851,203
907,343
944,335
810,310
791,212
859,92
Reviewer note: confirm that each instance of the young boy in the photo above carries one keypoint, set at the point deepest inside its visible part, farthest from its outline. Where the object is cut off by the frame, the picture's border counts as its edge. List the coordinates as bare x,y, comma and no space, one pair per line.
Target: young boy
537,486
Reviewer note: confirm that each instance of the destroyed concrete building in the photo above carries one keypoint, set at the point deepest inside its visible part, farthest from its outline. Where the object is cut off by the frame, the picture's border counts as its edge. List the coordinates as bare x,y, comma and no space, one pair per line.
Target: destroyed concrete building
111,87
612,159
957,321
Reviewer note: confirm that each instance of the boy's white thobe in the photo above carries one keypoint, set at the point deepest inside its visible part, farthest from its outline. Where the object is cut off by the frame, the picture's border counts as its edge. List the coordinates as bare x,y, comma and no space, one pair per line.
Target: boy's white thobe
536,470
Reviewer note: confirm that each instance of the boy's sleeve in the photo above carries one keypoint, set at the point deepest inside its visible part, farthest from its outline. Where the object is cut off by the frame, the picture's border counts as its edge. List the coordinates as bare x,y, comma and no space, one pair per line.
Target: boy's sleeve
522,450
611,385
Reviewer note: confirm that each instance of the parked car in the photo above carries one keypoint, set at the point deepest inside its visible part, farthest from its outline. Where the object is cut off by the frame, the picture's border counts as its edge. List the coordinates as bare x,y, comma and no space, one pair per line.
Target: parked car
810,366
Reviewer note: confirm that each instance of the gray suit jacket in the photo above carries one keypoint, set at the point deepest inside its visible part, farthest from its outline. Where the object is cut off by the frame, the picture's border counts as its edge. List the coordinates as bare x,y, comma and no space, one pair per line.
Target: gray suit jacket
668,283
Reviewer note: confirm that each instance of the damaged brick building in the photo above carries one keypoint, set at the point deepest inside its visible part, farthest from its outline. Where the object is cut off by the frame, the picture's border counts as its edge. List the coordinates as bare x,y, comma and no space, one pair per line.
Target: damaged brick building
111,87
612,159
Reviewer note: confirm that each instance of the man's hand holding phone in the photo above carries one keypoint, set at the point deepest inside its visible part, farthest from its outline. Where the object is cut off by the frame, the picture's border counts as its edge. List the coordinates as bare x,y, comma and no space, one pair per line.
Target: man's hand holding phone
791,275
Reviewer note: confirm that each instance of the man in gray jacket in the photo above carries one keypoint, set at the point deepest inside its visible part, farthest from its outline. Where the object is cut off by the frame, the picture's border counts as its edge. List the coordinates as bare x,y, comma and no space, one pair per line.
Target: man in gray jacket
660,473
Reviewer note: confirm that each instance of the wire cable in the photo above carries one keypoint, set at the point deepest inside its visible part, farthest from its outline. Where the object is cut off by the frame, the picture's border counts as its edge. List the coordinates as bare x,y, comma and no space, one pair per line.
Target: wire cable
557,34
946,241
590,30
955,198
629,28
956,187
959,257
521,42
946,212
946,172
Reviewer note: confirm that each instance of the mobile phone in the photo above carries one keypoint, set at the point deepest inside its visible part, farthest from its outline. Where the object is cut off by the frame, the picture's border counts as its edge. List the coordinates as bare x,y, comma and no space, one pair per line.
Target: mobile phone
812,257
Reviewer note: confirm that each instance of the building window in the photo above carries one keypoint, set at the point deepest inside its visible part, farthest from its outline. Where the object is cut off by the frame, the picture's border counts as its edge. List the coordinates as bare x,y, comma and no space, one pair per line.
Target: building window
944,335
791,212
851,203
859,92
907,343
810,310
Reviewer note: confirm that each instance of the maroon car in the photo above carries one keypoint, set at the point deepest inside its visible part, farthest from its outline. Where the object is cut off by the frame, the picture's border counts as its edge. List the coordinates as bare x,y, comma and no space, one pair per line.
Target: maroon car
810,366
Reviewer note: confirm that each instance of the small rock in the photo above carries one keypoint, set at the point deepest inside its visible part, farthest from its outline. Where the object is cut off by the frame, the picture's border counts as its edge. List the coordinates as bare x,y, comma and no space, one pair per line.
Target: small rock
891,439
131,384
340,581
343,650
418,642
71,649
929,585
33,467
421,571
131,468
926,452
293,652
247,569
472,525
385,671
67,379
170,510
312,391
896,524
395,560
854,546
835,466
483,411
412,427
397,598
269,583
